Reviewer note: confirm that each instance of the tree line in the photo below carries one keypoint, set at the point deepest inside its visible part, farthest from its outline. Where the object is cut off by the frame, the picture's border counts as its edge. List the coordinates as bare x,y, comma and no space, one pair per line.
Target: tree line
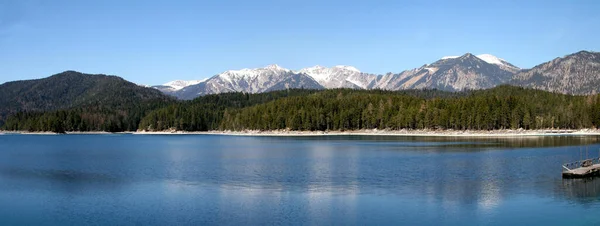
503,107
206,113
99,118
499,108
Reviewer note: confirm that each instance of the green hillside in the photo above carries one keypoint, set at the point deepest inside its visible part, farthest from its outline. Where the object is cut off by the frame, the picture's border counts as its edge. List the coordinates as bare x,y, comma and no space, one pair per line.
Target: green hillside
74,93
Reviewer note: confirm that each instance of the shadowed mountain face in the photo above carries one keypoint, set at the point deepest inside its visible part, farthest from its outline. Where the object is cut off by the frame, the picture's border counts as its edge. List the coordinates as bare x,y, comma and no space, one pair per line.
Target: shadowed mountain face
578,73
71,89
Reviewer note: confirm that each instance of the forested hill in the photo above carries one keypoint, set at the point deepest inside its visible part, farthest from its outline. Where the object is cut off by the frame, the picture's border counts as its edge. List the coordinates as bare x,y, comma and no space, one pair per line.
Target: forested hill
502,107
74,91
206,113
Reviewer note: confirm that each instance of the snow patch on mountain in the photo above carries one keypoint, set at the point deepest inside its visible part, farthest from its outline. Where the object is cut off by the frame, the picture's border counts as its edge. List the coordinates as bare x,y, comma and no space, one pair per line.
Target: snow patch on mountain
490,59
466,71
348,68
180,84
449,57
275,67
431,69
318,73
340,76
246,73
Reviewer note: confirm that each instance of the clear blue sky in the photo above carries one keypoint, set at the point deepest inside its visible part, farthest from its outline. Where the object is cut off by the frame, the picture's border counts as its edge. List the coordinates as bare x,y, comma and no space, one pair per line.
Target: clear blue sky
152,42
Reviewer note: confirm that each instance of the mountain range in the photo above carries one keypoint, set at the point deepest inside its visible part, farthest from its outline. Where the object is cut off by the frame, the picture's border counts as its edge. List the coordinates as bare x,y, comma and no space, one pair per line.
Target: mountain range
94,102
577,73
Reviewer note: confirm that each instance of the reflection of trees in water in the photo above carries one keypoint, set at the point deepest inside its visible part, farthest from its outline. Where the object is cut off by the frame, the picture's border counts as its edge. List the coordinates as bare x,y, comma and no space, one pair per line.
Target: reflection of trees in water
586,190
548,141
511,142
67,181
515,142
450,173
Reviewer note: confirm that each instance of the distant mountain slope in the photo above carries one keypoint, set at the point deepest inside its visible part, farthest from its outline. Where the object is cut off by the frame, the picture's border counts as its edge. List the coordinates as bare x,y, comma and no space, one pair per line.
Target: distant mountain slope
176,85
449,73
491,59
577,73
258,80
503,64
339,77
71,89
296,81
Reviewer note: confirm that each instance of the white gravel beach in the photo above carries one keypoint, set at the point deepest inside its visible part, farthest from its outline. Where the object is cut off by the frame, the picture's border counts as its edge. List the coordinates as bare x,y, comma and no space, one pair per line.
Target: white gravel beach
375,132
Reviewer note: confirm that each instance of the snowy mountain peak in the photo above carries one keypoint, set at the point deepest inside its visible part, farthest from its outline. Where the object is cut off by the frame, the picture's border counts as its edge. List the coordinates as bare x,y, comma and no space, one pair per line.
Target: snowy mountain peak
316,67
340,76
322,74
467,55
490,59
275,67
318,73
247,71
180,84
251,73
349,68
449,57
466,71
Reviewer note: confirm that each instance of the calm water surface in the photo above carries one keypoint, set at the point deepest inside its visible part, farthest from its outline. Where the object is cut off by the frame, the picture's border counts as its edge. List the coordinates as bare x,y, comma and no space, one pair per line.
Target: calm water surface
346,180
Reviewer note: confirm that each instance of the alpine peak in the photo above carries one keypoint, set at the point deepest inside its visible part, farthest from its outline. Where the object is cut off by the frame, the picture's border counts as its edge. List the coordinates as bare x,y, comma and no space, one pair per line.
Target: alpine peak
349,68
275,67
490,59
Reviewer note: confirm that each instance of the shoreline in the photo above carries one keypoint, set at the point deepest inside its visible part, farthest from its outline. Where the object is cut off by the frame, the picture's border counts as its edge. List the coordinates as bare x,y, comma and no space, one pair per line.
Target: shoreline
374,132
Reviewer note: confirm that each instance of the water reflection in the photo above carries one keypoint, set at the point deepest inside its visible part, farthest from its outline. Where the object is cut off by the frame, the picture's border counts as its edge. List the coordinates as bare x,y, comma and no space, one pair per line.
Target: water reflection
585,190
68,181
304,180
506,142
477,175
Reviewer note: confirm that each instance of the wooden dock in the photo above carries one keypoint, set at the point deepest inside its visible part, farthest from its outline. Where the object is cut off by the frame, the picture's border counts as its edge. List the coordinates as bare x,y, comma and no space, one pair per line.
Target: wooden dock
582,169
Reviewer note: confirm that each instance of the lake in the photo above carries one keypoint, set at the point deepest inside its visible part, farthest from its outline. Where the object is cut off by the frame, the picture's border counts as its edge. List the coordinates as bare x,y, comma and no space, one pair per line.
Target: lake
336,180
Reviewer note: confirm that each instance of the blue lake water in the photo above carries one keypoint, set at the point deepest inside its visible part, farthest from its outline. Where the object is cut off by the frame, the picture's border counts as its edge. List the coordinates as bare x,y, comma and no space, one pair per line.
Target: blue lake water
345,180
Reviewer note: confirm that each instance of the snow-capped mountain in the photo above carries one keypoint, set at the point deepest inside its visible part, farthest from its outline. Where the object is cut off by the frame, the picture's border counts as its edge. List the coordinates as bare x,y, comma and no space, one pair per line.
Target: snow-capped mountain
491,59
176,85
339,77
247,80
503,64
450,73
180,84
250,81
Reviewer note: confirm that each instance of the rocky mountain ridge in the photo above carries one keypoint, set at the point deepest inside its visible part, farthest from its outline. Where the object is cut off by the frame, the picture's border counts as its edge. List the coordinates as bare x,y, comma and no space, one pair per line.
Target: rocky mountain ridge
577,73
